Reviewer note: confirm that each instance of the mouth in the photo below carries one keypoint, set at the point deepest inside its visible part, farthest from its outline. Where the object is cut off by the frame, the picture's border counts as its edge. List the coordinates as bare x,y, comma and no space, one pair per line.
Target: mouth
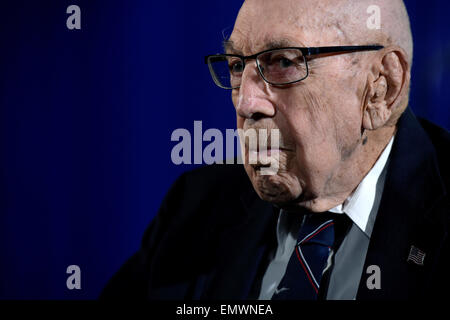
257,167
264,152
267,151
265,157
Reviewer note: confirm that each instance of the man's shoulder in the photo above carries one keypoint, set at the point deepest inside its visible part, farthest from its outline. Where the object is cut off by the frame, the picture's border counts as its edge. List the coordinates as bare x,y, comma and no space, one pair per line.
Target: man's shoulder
187,229
217,173
440,138
215,178
207,187
438,135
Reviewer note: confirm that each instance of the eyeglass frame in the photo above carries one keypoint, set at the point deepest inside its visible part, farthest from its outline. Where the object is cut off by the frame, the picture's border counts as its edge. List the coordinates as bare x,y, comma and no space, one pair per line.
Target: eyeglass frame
306,51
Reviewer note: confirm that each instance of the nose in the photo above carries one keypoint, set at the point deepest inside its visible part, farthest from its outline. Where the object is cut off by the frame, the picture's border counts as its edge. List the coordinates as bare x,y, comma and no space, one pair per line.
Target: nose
253,102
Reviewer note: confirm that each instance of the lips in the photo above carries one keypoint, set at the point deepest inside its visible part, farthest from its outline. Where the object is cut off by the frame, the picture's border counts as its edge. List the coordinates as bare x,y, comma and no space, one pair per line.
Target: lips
269,157
265,153
267,149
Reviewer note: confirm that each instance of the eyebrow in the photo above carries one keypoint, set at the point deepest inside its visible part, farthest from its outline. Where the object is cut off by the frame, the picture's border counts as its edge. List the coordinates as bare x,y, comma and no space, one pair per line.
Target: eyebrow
228,45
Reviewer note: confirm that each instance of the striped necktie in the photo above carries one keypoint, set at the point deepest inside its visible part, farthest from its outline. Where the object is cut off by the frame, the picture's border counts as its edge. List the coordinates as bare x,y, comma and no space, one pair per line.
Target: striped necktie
315,241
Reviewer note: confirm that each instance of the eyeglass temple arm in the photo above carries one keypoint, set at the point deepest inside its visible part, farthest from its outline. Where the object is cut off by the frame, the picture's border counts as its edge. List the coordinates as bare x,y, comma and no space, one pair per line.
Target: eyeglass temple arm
320,50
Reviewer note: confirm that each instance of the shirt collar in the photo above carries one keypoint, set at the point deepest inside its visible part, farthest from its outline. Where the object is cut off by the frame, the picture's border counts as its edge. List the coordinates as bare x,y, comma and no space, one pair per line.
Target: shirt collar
359,204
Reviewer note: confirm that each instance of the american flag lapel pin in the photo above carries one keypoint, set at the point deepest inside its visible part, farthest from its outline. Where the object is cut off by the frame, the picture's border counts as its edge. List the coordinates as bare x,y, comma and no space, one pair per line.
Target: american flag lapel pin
416,256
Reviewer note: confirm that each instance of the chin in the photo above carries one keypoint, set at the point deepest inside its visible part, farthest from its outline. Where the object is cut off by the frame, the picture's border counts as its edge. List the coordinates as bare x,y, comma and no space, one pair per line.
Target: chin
279,188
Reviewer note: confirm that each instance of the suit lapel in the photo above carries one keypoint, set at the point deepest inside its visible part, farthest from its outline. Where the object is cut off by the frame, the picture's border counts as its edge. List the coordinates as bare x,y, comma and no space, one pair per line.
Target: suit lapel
411,213
243,244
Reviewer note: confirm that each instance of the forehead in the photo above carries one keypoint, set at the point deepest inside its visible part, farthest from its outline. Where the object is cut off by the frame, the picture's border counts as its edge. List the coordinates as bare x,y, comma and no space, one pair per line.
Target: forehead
262,24
255,29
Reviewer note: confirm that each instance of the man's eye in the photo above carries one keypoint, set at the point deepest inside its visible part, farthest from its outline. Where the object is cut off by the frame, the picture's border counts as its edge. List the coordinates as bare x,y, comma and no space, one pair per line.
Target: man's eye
285,63
236,67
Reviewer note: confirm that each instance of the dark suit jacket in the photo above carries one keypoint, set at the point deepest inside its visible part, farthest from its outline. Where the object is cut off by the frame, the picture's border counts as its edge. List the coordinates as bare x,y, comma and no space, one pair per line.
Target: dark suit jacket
210,237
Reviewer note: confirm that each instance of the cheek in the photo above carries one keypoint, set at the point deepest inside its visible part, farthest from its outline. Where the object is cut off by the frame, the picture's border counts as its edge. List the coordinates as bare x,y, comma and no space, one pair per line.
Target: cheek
311,125
329,117
348,118
309,116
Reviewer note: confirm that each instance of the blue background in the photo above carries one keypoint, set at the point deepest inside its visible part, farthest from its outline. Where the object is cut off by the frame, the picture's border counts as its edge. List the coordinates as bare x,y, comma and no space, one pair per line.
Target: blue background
86,118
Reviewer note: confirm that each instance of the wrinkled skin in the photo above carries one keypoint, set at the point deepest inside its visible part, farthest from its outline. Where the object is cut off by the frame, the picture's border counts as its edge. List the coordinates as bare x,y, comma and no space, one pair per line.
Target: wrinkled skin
334,124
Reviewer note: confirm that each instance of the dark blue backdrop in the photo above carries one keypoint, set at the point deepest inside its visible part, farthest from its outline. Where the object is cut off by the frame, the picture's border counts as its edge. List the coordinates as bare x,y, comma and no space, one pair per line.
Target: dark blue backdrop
86,118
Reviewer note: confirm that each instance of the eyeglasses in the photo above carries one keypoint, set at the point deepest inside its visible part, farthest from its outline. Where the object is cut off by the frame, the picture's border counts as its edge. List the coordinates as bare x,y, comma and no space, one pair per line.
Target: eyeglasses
280,66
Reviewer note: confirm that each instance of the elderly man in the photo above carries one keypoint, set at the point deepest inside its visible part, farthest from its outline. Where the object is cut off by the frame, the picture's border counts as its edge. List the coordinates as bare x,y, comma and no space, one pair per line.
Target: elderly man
358,207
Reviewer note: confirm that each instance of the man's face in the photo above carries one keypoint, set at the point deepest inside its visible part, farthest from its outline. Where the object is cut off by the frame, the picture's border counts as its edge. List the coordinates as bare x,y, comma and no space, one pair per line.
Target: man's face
319,118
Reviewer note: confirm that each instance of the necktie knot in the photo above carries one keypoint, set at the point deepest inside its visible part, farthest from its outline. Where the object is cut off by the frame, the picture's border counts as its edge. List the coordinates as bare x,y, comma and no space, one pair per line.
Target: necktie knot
317,229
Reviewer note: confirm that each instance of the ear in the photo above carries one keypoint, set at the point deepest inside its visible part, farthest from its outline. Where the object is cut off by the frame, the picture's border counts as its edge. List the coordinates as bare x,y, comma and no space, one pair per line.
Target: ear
387,89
